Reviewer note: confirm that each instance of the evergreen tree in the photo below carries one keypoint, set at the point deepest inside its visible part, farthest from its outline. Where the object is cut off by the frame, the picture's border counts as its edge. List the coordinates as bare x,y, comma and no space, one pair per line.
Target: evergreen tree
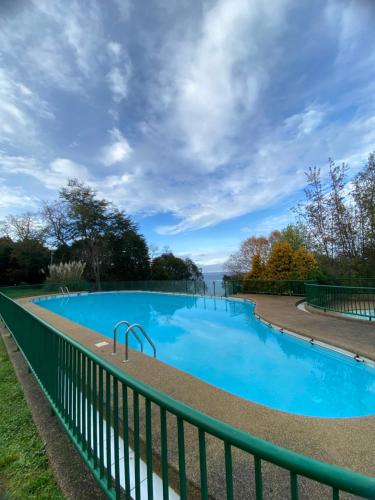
279,264
304,265
257,269
169,267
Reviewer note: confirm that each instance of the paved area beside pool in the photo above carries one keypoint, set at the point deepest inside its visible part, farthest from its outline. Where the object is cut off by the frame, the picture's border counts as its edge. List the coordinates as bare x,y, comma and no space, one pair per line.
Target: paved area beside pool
345,442
353,335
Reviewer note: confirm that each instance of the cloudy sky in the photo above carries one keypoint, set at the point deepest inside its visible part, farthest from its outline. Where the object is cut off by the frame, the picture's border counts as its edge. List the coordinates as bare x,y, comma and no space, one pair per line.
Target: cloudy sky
198,118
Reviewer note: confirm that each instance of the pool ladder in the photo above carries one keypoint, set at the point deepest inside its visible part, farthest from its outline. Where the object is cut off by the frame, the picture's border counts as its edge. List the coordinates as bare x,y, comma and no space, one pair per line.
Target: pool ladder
131,329
64,290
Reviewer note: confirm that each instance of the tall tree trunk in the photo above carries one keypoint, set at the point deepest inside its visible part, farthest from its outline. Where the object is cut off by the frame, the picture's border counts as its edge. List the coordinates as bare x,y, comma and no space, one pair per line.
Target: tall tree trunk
95,264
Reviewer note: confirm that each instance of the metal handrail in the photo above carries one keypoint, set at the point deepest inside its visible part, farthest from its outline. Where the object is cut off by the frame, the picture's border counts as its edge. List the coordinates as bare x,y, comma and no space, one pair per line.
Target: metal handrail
62,290
357,301
123,322
130,329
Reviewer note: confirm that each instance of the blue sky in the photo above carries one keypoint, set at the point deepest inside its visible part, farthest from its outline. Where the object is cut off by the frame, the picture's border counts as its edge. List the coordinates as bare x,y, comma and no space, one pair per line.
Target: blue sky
198,118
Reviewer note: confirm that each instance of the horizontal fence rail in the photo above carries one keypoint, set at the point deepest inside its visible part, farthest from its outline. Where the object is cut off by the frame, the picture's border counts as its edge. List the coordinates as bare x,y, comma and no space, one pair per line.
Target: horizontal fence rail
349,300
206,286
360,282
216,287
271,287
116,421
198,287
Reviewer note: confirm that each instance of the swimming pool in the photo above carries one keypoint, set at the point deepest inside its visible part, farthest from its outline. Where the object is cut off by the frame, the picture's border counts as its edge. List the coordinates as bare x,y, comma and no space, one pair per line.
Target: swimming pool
222,342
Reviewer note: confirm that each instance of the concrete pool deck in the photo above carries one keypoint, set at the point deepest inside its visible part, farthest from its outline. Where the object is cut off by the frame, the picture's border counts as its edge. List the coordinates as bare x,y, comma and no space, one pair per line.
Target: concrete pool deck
345,442
353,335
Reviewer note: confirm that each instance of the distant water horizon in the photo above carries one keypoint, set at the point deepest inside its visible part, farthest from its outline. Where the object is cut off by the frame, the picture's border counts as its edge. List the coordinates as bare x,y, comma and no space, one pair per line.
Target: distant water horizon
213,275
213,281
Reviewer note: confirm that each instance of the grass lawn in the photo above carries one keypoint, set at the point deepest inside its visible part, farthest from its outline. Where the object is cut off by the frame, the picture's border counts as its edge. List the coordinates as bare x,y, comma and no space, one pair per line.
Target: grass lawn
19,292
24,467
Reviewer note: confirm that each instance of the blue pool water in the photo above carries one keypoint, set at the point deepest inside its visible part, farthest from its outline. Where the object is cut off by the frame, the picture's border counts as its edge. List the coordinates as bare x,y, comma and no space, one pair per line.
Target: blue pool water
222,342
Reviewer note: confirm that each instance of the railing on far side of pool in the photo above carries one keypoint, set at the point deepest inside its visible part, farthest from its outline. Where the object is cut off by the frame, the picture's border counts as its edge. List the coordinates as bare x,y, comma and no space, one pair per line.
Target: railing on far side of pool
268,287
348,300
101,406
210,287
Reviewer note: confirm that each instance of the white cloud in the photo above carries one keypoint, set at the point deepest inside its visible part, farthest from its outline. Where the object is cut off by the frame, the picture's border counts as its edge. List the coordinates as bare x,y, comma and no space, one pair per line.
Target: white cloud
266,225
114,50
225,206
119,74
274,172
118,83
306,122
79,29
58,44
225,114
62,169
14,197
20,110
208,257
53,175
216,76
117,151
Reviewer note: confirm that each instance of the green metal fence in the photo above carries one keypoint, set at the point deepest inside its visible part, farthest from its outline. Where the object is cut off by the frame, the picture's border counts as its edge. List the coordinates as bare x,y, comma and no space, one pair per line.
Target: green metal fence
351,300
271,287
351,281
197,287
101,406
172,286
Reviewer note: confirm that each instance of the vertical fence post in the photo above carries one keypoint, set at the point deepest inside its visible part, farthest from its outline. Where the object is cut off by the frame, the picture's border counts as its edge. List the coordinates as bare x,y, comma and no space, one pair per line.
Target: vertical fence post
150,490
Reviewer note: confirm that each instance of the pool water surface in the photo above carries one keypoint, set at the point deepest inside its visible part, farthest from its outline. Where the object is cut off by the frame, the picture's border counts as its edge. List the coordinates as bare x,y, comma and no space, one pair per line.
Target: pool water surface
222,342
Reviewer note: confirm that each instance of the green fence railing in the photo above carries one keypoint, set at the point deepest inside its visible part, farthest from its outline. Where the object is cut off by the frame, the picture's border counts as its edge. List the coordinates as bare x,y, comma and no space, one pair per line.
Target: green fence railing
351,281
271,287
102,408
197,287
350,300
172,286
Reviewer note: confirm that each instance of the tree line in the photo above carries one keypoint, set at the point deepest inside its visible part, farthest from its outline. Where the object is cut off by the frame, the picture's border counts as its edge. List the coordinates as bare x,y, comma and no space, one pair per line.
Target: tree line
80,226
333,236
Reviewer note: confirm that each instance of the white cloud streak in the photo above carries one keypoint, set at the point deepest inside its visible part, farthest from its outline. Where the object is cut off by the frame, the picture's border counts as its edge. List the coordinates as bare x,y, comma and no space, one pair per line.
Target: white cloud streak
14,197
117,151
53,175
20,109
209,92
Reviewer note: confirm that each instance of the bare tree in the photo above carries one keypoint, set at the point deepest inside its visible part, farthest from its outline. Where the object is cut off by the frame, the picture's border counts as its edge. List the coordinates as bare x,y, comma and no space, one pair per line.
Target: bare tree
239,262
315,213
58,227
23,227
343,229
153,251
364,199
340,217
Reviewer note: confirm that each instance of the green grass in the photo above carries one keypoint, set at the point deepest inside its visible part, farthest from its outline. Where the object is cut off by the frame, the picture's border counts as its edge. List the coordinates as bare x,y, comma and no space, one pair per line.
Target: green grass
24,468
19,292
